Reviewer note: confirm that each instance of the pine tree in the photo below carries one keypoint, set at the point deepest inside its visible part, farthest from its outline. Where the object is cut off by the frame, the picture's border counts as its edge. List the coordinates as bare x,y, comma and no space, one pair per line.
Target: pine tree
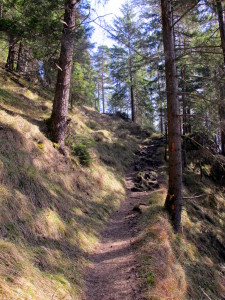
174,197
59,118
101,64
124,31
222,86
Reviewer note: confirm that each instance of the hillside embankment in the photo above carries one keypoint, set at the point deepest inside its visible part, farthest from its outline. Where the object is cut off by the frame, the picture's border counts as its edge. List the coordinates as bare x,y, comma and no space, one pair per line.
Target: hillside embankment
59,214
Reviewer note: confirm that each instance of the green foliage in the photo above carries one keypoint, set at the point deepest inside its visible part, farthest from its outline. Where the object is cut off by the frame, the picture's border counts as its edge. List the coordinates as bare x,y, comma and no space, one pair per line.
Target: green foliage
81,151
150,278
82,83
41,146
122,115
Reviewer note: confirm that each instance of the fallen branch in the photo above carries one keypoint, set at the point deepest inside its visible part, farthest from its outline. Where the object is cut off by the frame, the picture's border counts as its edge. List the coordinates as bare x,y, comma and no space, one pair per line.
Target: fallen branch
199,196
205,293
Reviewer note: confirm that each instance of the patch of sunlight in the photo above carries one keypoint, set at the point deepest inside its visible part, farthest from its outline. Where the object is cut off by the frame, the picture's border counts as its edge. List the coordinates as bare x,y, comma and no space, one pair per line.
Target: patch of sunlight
196,227
207,260
28,290
79,212
10,87
4,193
187,251
23,202
31,95
11,258
77,120
37,287
86,240
186,221
103,135
158,197
89,108
107,180
19,123
51,224
67,182
53,191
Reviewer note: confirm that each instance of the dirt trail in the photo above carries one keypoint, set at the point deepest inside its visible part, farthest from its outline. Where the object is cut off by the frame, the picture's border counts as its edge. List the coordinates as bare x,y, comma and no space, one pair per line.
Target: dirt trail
113,274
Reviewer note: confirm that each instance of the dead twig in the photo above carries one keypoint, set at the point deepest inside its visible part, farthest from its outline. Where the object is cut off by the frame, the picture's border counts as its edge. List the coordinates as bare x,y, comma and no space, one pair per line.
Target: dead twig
199,196
205,293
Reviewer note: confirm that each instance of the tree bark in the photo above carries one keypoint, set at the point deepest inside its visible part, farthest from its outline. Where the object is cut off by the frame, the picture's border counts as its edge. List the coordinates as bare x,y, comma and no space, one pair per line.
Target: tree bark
59,118
221,26
133,114
174,198
97,105
166,141
184,102
132,100
222,88
1,9
161,104
103,90
19,66
222,117
11,54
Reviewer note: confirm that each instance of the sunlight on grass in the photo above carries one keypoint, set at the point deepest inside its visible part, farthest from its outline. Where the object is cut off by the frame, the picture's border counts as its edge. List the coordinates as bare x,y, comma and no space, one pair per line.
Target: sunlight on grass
53,209
156,252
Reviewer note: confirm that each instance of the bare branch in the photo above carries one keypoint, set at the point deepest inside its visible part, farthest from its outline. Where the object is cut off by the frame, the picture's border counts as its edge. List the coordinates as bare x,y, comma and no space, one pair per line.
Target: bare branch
186,12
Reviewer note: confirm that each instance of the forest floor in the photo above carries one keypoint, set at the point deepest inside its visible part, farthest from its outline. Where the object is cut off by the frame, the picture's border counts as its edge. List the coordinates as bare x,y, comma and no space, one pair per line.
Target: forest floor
114,271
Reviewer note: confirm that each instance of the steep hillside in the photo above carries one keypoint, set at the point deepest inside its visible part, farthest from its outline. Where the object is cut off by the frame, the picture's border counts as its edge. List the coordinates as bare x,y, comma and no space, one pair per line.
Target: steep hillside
189,265
52,207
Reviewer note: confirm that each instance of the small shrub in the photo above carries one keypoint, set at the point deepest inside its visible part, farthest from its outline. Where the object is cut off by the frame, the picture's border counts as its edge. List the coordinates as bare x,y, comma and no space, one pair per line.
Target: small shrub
81,151
122,115
150,278
41,146
93,125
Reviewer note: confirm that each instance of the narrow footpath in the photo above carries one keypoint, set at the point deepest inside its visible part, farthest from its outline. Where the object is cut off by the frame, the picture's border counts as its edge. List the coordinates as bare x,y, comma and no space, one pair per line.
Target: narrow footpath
113,274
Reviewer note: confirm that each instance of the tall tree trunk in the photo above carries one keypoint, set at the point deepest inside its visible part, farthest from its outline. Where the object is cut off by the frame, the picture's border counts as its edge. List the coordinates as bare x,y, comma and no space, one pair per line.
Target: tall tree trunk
189,127
11,54
166,140
161,119
184,102
71,95
98,99
1,9
133,114
160,99
132,100
59,118
221,26
174,198
19,66
103,91
222,117
222,89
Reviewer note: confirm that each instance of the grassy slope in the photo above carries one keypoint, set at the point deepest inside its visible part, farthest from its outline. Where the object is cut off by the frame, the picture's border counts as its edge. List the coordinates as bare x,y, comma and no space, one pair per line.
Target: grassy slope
188,265
51,208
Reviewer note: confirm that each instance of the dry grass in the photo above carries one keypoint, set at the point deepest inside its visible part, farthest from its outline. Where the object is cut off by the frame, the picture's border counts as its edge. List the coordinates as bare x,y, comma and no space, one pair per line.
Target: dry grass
188,265
201,248
161,271
51,208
